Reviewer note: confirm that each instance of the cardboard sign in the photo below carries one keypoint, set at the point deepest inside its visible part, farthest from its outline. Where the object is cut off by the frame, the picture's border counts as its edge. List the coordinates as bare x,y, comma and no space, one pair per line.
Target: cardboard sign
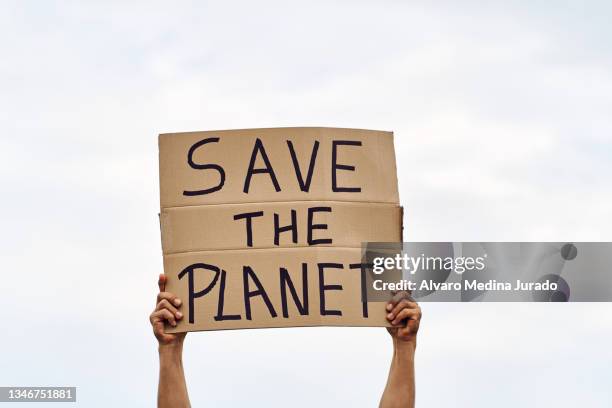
263,227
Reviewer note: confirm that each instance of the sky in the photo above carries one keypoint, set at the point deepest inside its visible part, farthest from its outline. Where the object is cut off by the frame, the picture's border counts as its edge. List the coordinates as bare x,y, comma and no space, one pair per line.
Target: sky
503,132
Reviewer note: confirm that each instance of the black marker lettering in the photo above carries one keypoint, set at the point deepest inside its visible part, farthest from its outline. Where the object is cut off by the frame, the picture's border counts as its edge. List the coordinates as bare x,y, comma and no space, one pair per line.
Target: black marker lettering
246,272
192,294
268,169
323,287
311,226
304,185
285,281
336,166
220,316
205,167
291,227
249,227
364,291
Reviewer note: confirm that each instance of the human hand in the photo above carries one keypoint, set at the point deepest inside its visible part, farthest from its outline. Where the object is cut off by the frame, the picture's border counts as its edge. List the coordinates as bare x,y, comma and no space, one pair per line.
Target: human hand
405,316
166,310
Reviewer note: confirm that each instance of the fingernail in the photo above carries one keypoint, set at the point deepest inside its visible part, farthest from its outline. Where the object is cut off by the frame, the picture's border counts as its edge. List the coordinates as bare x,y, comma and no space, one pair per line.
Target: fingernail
174,324
390,316
179,315
389,307
177,302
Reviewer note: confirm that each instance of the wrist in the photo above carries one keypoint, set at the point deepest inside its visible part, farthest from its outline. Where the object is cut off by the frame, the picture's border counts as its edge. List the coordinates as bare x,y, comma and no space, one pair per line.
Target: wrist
171,349
404,347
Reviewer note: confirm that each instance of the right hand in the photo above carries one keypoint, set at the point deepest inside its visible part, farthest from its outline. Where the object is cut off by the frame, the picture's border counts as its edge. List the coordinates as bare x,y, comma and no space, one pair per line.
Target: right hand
167,310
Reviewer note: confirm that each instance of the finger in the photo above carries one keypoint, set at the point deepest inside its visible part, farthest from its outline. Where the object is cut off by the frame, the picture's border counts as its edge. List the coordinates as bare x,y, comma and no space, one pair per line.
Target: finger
171,297
397,297
413,324
411,328
161,282
160,316
163,315
399,319
403,315
165,304
402,304
405,332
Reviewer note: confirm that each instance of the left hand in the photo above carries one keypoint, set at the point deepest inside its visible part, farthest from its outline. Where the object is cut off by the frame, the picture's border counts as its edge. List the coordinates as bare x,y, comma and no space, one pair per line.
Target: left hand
405,316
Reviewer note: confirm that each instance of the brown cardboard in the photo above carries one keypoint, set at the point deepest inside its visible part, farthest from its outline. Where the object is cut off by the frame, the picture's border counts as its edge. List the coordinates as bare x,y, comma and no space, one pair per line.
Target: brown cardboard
214,227
354,196
374,163
266,264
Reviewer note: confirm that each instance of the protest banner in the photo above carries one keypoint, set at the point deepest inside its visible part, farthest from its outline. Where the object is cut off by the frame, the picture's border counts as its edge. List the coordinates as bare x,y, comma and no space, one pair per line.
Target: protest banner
263,227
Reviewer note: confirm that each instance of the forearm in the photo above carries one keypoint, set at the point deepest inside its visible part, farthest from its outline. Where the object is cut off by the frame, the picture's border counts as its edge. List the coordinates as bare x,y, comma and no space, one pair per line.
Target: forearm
172,389
400,389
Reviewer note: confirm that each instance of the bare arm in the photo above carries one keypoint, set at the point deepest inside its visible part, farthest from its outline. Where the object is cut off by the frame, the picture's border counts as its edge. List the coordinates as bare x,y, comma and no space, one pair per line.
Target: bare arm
405,315
172,388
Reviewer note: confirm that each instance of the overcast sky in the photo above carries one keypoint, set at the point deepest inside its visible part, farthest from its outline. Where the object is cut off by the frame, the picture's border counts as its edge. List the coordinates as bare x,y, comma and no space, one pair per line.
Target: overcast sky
501,113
